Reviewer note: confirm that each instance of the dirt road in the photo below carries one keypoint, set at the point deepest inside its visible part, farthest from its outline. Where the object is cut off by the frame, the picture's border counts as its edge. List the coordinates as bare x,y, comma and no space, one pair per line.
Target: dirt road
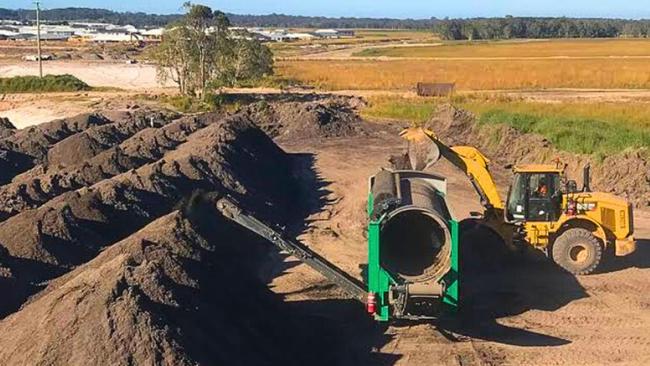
100,73
28,109
530,314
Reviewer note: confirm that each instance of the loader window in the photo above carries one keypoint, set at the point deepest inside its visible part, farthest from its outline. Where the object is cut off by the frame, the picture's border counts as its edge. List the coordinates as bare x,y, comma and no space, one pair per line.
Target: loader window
543,194
535,197
517,198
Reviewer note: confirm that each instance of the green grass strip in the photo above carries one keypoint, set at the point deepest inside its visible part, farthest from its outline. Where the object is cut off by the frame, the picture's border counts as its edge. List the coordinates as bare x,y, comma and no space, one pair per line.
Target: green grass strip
48,83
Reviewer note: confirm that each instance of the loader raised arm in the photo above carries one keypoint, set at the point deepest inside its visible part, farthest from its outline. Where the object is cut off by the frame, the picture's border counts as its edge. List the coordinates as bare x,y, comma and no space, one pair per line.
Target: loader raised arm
424,145
425,149
573,227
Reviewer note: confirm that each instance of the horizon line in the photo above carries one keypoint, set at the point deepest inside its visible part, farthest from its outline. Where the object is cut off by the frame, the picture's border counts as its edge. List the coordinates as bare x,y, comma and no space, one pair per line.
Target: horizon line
346,16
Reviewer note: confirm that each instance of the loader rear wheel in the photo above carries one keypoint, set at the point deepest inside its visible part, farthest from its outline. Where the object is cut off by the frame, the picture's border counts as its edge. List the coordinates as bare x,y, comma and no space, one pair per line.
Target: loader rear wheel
578,251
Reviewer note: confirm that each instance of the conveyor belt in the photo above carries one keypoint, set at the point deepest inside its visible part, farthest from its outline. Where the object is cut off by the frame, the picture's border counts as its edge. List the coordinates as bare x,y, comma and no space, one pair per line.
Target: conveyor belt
300,251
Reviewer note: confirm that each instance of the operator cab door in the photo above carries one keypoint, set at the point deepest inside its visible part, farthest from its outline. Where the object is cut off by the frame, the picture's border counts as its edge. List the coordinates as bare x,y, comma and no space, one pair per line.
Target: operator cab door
534,197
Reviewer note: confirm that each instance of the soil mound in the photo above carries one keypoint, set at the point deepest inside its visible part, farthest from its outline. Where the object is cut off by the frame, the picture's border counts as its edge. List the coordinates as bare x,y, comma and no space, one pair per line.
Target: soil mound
333,117
6,128
626,174
12,163
82,146
174,293
231,156
35,141
37,186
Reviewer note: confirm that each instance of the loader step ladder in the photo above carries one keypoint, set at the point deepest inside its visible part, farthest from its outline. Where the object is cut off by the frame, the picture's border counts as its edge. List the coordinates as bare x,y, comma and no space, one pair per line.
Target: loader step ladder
349,284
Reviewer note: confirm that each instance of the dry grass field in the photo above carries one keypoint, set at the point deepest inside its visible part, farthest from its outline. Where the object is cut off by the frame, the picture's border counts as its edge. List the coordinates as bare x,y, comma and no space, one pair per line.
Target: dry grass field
470,74
527,64
529,48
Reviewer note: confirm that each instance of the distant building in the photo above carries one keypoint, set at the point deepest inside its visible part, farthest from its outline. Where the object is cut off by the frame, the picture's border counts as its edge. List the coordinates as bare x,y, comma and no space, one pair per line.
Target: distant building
334,33
46,29
327,33
55,37
260,37
301,36
152,35
346,33
8,28
8,32
279,35
110,36
22,37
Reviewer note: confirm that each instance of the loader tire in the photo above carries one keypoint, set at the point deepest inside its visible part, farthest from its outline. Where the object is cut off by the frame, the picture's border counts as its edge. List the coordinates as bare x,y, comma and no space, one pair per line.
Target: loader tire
578,251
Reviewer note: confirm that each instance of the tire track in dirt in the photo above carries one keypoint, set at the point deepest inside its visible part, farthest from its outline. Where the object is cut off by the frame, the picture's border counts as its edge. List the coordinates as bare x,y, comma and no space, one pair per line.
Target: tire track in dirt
606,327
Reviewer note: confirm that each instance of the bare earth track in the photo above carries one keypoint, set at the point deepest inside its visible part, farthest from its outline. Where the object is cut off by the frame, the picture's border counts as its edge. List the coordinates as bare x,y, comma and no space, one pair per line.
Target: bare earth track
530,314
110,255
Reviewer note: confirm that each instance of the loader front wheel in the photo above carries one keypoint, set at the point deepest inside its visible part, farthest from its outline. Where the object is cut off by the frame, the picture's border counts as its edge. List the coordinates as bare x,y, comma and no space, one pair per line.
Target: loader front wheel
578,251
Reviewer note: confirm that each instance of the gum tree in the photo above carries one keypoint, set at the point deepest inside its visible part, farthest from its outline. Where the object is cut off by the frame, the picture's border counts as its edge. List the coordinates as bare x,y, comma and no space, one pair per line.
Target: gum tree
200,52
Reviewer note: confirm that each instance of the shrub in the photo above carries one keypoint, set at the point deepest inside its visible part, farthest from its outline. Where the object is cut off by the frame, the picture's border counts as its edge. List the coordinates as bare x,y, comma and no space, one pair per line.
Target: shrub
48,83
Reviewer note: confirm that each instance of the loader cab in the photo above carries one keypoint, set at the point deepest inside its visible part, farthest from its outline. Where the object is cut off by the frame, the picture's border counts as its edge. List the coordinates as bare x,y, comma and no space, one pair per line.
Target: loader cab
535,194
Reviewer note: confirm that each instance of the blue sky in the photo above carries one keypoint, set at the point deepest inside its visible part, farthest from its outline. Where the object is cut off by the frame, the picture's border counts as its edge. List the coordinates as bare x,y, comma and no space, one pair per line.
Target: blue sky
378,8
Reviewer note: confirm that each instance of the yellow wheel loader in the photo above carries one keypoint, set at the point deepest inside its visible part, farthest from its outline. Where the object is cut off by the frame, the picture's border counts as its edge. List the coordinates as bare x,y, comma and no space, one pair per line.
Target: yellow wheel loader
543,208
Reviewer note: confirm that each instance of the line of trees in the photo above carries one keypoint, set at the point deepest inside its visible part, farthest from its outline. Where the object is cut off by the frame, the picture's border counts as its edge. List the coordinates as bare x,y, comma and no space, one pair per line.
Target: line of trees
63,15
295,21
454,29
516,27
200,54
271,20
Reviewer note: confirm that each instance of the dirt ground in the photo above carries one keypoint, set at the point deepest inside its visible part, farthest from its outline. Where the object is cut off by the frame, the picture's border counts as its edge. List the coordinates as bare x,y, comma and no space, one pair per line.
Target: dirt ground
119,257
94,73
530,314
146,288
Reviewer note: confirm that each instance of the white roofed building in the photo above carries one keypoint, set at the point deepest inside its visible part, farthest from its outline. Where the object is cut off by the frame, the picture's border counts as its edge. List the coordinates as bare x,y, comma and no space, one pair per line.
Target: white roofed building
327,33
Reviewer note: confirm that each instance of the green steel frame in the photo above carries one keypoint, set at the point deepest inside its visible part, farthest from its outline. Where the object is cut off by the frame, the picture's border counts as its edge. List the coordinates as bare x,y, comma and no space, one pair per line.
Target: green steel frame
380,281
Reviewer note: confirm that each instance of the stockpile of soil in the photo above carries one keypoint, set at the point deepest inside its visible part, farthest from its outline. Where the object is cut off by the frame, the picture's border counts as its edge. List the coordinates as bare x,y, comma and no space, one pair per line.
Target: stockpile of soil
122,258
6,128
626,174
323,118
83,146
231,156
38,186
178,292
11,164
37,140
29,146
